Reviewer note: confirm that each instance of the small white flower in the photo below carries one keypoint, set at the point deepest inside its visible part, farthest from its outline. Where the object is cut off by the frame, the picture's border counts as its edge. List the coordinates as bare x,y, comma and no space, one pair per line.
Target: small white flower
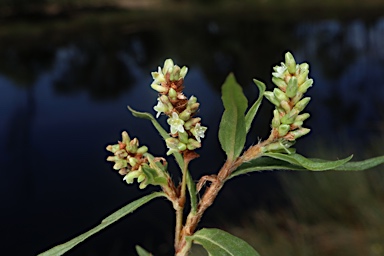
198,131
177,125
160,107
279,71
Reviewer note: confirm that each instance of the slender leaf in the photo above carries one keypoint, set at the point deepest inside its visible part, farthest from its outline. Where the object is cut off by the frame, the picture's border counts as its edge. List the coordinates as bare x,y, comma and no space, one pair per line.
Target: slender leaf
142,252
232,130
255,107
218,242
129,208
265,164
150,117
360,165
309,164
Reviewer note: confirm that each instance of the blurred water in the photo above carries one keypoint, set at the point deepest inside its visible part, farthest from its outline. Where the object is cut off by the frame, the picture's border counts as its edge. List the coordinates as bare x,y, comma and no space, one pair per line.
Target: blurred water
63,99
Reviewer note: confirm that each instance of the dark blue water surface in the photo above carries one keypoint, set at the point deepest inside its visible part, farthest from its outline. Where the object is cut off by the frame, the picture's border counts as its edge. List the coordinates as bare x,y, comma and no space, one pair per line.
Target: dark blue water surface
63,98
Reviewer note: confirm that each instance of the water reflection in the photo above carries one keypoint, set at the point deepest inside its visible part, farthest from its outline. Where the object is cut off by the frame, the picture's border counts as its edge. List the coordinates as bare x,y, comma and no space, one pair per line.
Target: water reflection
64,97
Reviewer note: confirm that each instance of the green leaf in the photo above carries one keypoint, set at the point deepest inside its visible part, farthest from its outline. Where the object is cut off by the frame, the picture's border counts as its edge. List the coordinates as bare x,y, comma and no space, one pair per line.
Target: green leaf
265,164
129,208
255,107
309,164
150,117
218,242
141,252
153,177
360,165
232,130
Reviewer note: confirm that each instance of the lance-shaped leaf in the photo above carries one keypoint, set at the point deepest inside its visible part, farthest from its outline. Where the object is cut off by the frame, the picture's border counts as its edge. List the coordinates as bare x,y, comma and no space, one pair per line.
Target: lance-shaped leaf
255,107
307,163
129,208
358,165
265,164
141,252
232,131
150,117
153,177
219,242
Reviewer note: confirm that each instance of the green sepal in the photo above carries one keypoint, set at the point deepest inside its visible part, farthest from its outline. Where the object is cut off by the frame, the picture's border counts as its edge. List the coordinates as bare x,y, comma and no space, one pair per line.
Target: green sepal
255,107
232,130
218,242
142,252
129,208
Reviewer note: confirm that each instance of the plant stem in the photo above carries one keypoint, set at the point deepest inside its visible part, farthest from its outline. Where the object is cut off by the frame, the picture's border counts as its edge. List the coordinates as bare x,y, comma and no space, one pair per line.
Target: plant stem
182,247
180,206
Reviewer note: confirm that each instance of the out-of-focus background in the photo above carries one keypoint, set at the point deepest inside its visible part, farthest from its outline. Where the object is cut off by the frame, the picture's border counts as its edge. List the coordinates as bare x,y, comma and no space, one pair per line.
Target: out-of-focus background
68,69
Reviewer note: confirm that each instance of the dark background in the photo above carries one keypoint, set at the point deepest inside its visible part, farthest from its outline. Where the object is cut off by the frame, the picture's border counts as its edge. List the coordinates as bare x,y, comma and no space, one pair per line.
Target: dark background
67,73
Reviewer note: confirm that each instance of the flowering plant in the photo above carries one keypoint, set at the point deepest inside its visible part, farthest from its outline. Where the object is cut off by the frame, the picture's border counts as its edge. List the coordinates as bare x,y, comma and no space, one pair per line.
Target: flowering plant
185,135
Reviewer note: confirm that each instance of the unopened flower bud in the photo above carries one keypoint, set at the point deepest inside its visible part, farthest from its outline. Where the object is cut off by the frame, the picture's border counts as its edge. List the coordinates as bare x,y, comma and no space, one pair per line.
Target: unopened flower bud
297,97
125,137
302,76
172,94
133,145
185,115
168,65
271,97
183,137
290,117
120,164
132,161
302,103
304,66
293,135
280,95
302,117
283,129
175,73
113,148
112,158
158,88
193,144
143,185
142,150
183,72
285,105
141,178
121,153
192,122
290,63
292,87
296,124
192,100
279,83
276,119
123,171
131,176
304,87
